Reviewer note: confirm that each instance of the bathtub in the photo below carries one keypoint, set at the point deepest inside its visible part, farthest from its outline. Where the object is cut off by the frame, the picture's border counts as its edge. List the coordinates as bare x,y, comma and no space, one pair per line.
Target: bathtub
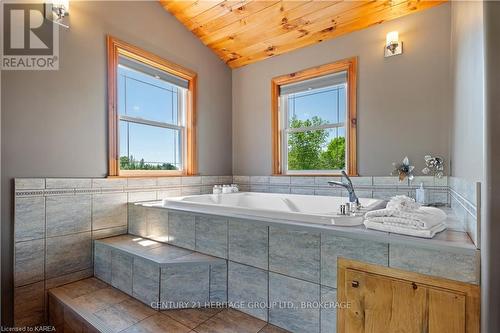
272,206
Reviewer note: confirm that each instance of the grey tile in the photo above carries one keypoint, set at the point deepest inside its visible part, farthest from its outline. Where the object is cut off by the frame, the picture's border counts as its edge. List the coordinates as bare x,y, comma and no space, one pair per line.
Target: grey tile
191,190
67,254
248,243
225,179
141,196
102,262
122,271
279,180
388,194
181,228
68,183
29,183
231,321
259,188
259,179
29,305
184,284
362,181
294,253
209,180
302,181
158,323
248,286
350,248
211,235
137,220
279,189
109,232
218,282
141,182
456,266
29,262
109,210
173,192
328,310
297,318
389,181
115,183
68,214
157,224
115,320
169,181
69,278
241,179
146,281
195,180
323,180
29,218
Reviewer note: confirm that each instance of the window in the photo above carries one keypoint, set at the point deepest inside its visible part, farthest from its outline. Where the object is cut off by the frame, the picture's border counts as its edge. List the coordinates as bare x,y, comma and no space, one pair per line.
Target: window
314,120
151,114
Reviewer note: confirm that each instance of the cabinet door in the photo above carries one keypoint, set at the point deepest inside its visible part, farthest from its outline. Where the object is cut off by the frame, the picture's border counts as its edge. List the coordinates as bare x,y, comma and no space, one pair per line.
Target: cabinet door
380,304
446,311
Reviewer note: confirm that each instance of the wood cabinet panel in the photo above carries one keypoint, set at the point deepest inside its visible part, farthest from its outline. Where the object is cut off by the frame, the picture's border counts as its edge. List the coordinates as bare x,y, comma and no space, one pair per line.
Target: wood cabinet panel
386,300
446,311
379,304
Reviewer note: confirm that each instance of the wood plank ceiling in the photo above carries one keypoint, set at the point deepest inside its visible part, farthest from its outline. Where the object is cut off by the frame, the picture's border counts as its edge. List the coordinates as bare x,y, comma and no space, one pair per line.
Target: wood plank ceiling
246,31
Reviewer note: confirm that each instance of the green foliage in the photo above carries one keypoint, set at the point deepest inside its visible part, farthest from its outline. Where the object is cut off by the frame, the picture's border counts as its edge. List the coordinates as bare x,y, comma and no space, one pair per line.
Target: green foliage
334,156
310,150
127,163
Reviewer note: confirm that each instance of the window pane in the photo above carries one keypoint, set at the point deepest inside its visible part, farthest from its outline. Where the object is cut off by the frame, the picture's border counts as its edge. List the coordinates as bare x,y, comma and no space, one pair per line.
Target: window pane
144,147
146,97
317,150
317,107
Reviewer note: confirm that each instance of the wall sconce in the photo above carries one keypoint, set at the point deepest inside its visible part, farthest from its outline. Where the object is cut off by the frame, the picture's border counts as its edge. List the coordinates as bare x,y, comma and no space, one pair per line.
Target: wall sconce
393,46
58,11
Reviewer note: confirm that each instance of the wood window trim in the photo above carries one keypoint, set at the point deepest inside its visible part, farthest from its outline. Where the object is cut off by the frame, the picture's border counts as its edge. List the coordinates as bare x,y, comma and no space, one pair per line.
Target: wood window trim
349,65
116,47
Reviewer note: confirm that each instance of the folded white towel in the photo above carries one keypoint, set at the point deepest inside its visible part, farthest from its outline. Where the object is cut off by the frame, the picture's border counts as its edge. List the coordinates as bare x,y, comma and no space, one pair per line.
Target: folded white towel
421,218
403,203
425,233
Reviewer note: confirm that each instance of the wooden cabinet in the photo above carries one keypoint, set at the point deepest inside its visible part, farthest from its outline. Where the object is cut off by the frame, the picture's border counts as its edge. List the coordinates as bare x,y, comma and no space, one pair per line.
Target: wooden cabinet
377,299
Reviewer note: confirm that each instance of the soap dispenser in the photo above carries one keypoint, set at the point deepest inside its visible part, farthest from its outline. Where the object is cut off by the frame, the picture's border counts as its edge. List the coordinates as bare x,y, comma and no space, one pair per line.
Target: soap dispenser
422,195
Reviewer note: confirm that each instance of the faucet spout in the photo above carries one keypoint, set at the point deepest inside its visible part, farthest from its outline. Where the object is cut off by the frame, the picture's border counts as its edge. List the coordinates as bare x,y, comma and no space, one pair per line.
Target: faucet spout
347,184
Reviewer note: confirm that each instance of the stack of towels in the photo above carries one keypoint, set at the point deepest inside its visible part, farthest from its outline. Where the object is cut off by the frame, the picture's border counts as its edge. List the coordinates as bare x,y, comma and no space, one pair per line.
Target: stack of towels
404,216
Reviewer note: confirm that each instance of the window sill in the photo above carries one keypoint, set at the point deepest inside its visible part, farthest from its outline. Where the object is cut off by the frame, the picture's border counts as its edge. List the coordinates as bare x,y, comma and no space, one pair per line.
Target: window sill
148,173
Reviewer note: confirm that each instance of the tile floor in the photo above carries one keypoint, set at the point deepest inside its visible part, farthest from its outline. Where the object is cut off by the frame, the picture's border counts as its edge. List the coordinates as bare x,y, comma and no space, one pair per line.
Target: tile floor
103,305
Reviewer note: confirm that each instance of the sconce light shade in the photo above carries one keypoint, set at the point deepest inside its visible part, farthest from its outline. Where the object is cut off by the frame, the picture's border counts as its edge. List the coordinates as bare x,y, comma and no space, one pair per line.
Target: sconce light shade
393,46
57,11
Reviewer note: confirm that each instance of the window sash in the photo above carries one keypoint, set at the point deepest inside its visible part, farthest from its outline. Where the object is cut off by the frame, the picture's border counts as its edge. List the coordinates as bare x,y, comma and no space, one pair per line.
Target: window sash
285,130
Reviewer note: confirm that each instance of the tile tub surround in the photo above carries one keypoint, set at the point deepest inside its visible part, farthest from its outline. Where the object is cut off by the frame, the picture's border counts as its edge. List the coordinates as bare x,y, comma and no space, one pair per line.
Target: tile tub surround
101,308
159,275
461,195
108,217
56,219
269,262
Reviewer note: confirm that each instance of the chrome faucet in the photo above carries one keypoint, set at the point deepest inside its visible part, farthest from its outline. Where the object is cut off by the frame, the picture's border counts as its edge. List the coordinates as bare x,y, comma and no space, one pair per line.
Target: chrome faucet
347,184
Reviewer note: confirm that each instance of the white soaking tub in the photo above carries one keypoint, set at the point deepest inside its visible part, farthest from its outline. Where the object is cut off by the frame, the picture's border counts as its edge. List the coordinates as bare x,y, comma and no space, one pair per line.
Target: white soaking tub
289,207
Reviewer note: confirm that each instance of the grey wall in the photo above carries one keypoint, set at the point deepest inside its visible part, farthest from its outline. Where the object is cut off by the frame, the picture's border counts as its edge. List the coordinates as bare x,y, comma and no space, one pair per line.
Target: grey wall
490,224
403,101
55,123
467,60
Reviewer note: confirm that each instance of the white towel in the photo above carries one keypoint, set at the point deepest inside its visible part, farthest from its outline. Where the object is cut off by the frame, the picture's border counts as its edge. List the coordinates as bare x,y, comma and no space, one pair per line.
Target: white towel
420,219
425,233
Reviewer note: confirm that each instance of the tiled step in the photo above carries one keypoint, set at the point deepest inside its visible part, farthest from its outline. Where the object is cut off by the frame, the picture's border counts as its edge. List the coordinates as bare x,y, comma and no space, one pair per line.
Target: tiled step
91,305
160,275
